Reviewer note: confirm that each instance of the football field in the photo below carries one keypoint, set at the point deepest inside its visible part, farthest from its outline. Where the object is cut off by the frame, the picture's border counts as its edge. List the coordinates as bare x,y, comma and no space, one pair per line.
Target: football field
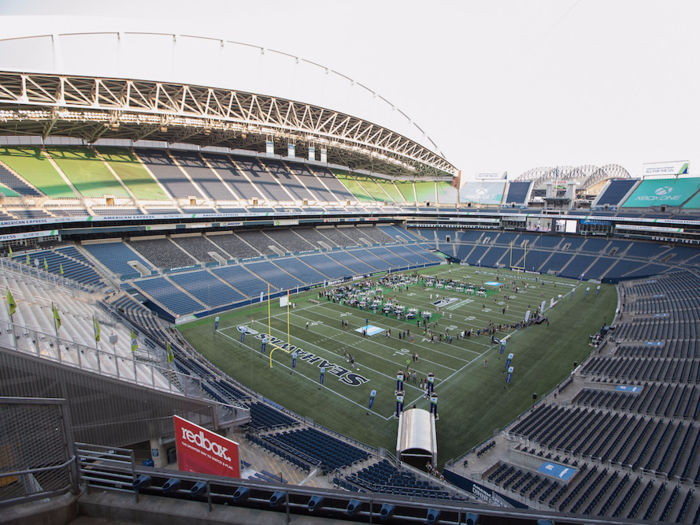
474,399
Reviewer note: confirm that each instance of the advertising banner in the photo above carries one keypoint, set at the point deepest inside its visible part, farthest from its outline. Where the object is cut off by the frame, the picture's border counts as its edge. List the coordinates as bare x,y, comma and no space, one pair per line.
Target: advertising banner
659,192
489,175
490,192
28,235
202,451
674,167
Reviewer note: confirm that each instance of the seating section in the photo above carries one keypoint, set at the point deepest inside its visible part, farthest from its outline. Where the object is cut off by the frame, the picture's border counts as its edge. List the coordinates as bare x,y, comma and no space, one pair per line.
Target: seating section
200,248
87,172
338,236
348,260
263,417
301,271
16,185
315,189
633,415
212,187
399,234
35,331
132,173
446,193
63,264
385,478
285,178
243,280
518,193
318,448
389,256
289,240
116,256
425,192
264,244
207,288
330,181
327,266
263,181
234,246
33,165
168,173
166,294
162,253
274,275
614,192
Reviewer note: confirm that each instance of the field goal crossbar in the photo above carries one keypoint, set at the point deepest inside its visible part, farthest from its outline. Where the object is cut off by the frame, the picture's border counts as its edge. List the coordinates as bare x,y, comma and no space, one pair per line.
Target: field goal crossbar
275,346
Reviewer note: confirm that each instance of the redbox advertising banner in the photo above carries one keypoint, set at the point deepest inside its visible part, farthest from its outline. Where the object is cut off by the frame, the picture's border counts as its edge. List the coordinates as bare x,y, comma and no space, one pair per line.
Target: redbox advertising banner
202,451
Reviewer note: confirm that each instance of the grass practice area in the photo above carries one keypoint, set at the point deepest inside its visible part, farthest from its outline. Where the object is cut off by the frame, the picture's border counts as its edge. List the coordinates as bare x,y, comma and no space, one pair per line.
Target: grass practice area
474,400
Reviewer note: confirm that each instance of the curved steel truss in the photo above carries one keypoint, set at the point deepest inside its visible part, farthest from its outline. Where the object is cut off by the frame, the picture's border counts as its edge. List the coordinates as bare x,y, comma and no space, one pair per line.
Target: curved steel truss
588,175
90,108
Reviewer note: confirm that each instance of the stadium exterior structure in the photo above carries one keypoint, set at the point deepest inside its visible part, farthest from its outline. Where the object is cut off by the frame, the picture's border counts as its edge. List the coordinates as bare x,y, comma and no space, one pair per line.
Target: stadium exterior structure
50,86
60,102
587,175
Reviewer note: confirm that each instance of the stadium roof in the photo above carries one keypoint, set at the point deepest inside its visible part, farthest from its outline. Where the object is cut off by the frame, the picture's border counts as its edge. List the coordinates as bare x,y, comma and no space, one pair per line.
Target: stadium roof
204,91
587,175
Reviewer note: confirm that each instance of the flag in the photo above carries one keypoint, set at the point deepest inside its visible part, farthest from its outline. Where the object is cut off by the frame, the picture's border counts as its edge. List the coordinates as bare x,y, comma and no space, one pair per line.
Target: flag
29,262
171,357
97,330
56,317
134,342
10,247
46,266
11,302
61,268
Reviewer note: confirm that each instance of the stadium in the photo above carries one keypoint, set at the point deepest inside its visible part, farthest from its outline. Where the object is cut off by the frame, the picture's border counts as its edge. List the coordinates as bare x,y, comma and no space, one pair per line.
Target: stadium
188,256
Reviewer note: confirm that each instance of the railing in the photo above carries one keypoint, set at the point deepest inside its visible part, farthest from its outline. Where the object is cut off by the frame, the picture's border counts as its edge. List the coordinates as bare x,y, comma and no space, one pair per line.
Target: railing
90,358
58,280
39,461
98,463
115,469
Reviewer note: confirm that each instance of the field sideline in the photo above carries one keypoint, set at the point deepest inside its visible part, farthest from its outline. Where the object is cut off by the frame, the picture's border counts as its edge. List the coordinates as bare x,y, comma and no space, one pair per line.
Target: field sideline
474,400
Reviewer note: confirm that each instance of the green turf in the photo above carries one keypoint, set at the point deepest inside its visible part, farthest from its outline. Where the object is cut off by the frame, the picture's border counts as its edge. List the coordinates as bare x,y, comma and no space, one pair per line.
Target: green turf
473,402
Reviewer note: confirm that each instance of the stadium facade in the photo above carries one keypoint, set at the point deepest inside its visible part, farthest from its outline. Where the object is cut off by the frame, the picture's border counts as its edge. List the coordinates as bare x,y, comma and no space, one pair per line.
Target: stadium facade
143,189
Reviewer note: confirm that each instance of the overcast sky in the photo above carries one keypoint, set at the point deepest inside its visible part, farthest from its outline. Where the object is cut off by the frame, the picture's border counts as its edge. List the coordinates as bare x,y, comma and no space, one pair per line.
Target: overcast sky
498,85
